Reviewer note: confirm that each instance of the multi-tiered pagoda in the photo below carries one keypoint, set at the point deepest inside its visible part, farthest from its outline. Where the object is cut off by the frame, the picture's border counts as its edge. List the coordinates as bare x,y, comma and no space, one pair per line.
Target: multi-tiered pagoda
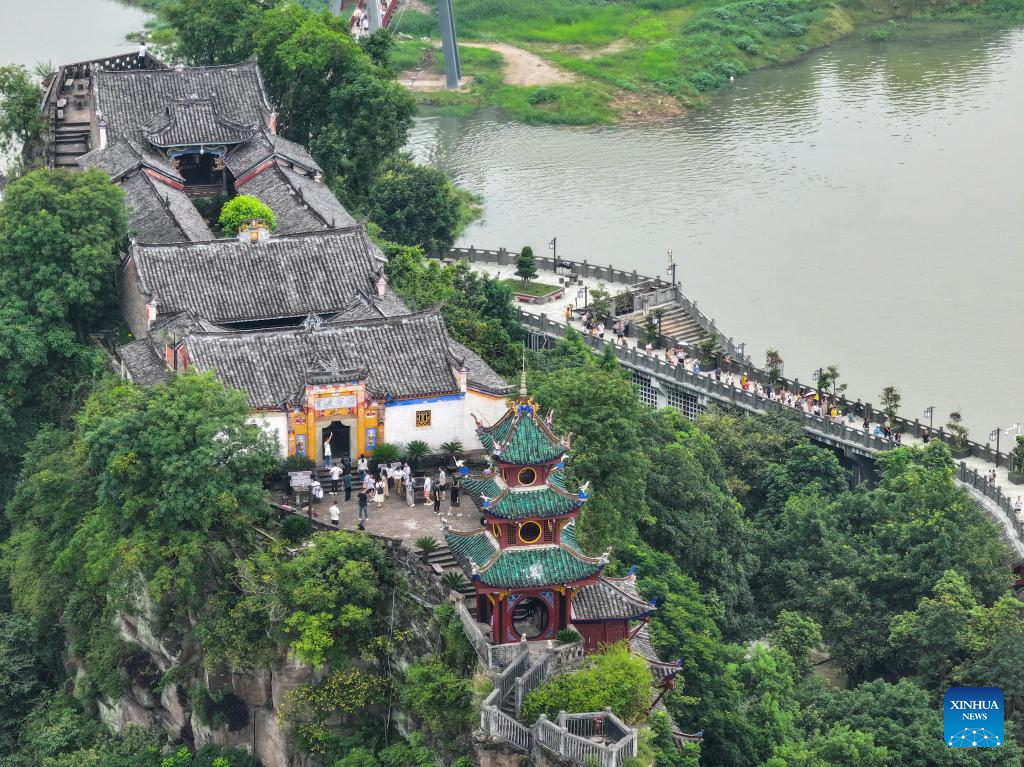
531,576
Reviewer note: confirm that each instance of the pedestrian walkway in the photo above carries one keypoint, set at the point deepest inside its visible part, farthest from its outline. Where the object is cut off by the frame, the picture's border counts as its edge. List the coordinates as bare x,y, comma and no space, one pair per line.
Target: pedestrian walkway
975,471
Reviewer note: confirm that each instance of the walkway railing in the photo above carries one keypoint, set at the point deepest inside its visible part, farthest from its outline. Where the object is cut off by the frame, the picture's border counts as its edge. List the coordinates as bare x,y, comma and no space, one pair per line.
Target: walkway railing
608,274
572,738
836,432
534,677
499,725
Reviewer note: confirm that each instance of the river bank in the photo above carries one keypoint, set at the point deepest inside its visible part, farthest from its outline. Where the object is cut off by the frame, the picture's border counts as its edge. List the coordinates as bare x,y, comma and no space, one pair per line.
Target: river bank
651,59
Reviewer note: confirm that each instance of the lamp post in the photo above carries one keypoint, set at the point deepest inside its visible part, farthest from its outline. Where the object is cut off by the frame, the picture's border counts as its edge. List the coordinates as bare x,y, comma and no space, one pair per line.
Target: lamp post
996,432
582,292
929,413
553,247
671,268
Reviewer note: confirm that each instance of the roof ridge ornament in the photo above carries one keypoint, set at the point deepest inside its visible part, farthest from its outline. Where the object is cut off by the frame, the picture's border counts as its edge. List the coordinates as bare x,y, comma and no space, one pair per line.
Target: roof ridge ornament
312,322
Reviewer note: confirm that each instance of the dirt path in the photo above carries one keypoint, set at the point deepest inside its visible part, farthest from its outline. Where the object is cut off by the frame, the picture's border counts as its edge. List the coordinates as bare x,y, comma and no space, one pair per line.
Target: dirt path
525,68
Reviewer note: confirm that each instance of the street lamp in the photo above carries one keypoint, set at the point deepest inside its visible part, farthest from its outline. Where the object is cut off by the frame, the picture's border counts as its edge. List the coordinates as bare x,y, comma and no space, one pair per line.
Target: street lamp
553,247
996,432
929,413
582,292
671,268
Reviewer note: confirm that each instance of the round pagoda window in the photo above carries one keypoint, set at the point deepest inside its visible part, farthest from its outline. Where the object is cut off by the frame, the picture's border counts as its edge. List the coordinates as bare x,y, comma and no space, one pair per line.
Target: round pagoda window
531,617
527,476
530,532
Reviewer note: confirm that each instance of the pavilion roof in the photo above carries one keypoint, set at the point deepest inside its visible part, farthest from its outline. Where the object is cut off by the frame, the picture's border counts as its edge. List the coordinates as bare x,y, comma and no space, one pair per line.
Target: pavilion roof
520,437
543,501
195,121
520,566
610,599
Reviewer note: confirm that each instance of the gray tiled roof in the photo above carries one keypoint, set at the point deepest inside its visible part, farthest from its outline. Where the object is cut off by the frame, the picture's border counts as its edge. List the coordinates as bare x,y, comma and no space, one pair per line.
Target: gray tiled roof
297,153
300,203
132,99
287,276
144,365
402,356
609,598
115,159
263,146
160,213
194,121
480,374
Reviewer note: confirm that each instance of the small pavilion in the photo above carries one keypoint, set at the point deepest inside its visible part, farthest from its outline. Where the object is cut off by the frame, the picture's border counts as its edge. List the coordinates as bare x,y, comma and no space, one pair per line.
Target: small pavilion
531,576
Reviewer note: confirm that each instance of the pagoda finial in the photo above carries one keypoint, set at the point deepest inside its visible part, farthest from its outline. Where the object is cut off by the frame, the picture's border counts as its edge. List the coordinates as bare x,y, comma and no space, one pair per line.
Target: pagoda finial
522,379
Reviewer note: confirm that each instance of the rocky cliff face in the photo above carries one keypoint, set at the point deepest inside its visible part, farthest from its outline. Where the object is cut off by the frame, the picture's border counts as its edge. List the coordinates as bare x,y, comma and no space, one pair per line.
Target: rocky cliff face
254,697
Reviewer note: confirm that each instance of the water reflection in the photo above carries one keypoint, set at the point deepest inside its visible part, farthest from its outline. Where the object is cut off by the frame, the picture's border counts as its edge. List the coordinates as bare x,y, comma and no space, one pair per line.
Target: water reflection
860,207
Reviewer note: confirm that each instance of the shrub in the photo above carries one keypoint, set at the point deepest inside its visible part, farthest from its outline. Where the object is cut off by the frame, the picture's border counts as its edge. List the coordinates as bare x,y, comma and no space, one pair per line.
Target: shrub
426,545
615,679
387,452
453,580
568,636
439,698
542,96
706,81
218,708
416,450
244,208
747,43
454,447
295,528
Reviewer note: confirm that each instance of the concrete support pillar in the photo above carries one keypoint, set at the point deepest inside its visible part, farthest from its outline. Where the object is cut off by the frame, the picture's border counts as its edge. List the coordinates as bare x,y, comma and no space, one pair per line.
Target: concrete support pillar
373,11
449,45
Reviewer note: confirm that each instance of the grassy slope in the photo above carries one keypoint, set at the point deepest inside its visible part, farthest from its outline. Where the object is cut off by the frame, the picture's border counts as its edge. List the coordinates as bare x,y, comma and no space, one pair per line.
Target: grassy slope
648,48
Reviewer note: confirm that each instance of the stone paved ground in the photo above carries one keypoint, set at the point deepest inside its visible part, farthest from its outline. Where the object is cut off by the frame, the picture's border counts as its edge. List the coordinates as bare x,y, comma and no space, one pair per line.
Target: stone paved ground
396,519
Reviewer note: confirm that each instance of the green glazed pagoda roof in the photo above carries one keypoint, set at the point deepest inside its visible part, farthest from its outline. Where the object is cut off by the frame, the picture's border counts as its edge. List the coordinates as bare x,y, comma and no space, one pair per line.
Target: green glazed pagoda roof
520,437
542,502
519,566
568,538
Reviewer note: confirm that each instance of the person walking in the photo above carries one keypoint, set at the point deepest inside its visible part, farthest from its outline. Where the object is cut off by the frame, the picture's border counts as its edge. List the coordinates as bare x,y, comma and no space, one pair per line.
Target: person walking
427,486
378,494
437,502
442,483
410,492
346,481
363,513
335,513
454,497
327,450
316,491
398,477
362,465
335,476
385,476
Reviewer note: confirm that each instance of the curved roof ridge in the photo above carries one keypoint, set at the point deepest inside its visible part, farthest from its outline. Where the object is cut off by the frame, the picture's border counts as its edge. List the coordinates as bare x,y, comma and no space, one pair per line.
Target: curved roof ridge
430,313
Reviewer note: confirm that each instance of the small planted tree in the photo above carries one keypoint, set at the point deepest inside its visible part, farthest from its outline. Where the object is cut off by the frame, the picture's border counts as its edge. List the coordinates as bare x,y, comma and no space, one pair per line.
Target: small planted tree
451,448
828,382
1017,461
957,433
526,265
427,546
773,366
706,351
244,208
890,402
601,301
453,580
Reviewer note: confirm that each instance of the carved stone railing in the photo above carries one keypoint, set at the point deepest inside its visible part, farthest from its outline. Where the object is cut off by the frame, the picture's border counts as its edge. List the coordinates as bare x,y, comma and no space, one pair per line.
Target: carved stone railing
500,726
534,677
572,737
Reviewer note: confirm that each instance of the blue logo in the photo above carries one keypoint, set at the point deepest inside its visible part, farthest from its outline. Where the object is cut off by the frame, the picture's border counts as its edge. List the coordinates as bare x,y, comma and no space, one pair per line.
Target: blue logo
973,717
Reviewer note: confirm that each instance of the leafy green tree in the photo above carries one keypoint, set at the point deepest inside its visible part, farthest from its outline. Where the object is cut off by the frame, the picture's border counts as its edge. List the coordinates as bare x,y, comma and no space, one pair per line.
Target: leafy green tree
615,678
60,233
601,301
889,399
437,697
526,265
796,635
773,366
840,747
244,208
414,205
213,31
828,382
20,98
378,46
21,677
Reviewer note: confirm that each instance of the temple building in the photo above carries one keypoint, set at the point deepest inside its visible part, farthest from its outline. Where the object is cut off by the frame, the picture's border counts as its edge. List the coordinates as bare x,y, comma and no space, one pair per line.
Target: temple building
531,577
169,136
307,327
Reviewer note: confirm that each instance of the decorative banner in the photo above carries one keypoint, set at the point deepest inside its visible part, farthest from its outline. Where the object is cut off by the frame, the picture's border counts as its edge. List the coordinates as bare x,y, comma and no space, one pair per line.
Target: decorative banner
973,717
371,439
300,445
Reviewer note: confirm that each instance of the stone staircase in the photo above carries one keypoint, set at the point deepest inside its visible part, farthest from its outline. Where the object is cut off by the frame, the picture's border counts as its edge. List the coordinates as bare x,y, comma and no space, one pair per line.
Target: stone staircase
70,142
677,323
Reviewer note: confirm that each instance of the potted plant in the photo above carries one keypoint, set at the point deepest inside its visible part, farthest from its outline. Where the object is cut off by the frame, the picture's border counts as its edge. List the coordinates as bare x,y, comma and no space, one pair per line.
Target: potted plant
1017,462
773,367
957,436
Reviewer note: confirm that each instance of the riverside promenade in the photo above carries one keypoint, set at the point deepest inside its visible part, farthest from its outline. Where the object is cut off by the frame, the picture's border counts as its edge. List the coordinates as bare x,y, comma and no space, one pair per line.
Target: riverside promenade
662,383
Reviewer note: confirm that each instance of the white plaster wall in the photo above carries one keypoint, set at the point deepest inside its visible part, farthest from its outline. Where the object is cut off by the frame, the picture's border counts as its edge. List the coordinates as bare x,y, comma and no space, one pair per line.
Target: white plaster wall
446,422
276,425
488,410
